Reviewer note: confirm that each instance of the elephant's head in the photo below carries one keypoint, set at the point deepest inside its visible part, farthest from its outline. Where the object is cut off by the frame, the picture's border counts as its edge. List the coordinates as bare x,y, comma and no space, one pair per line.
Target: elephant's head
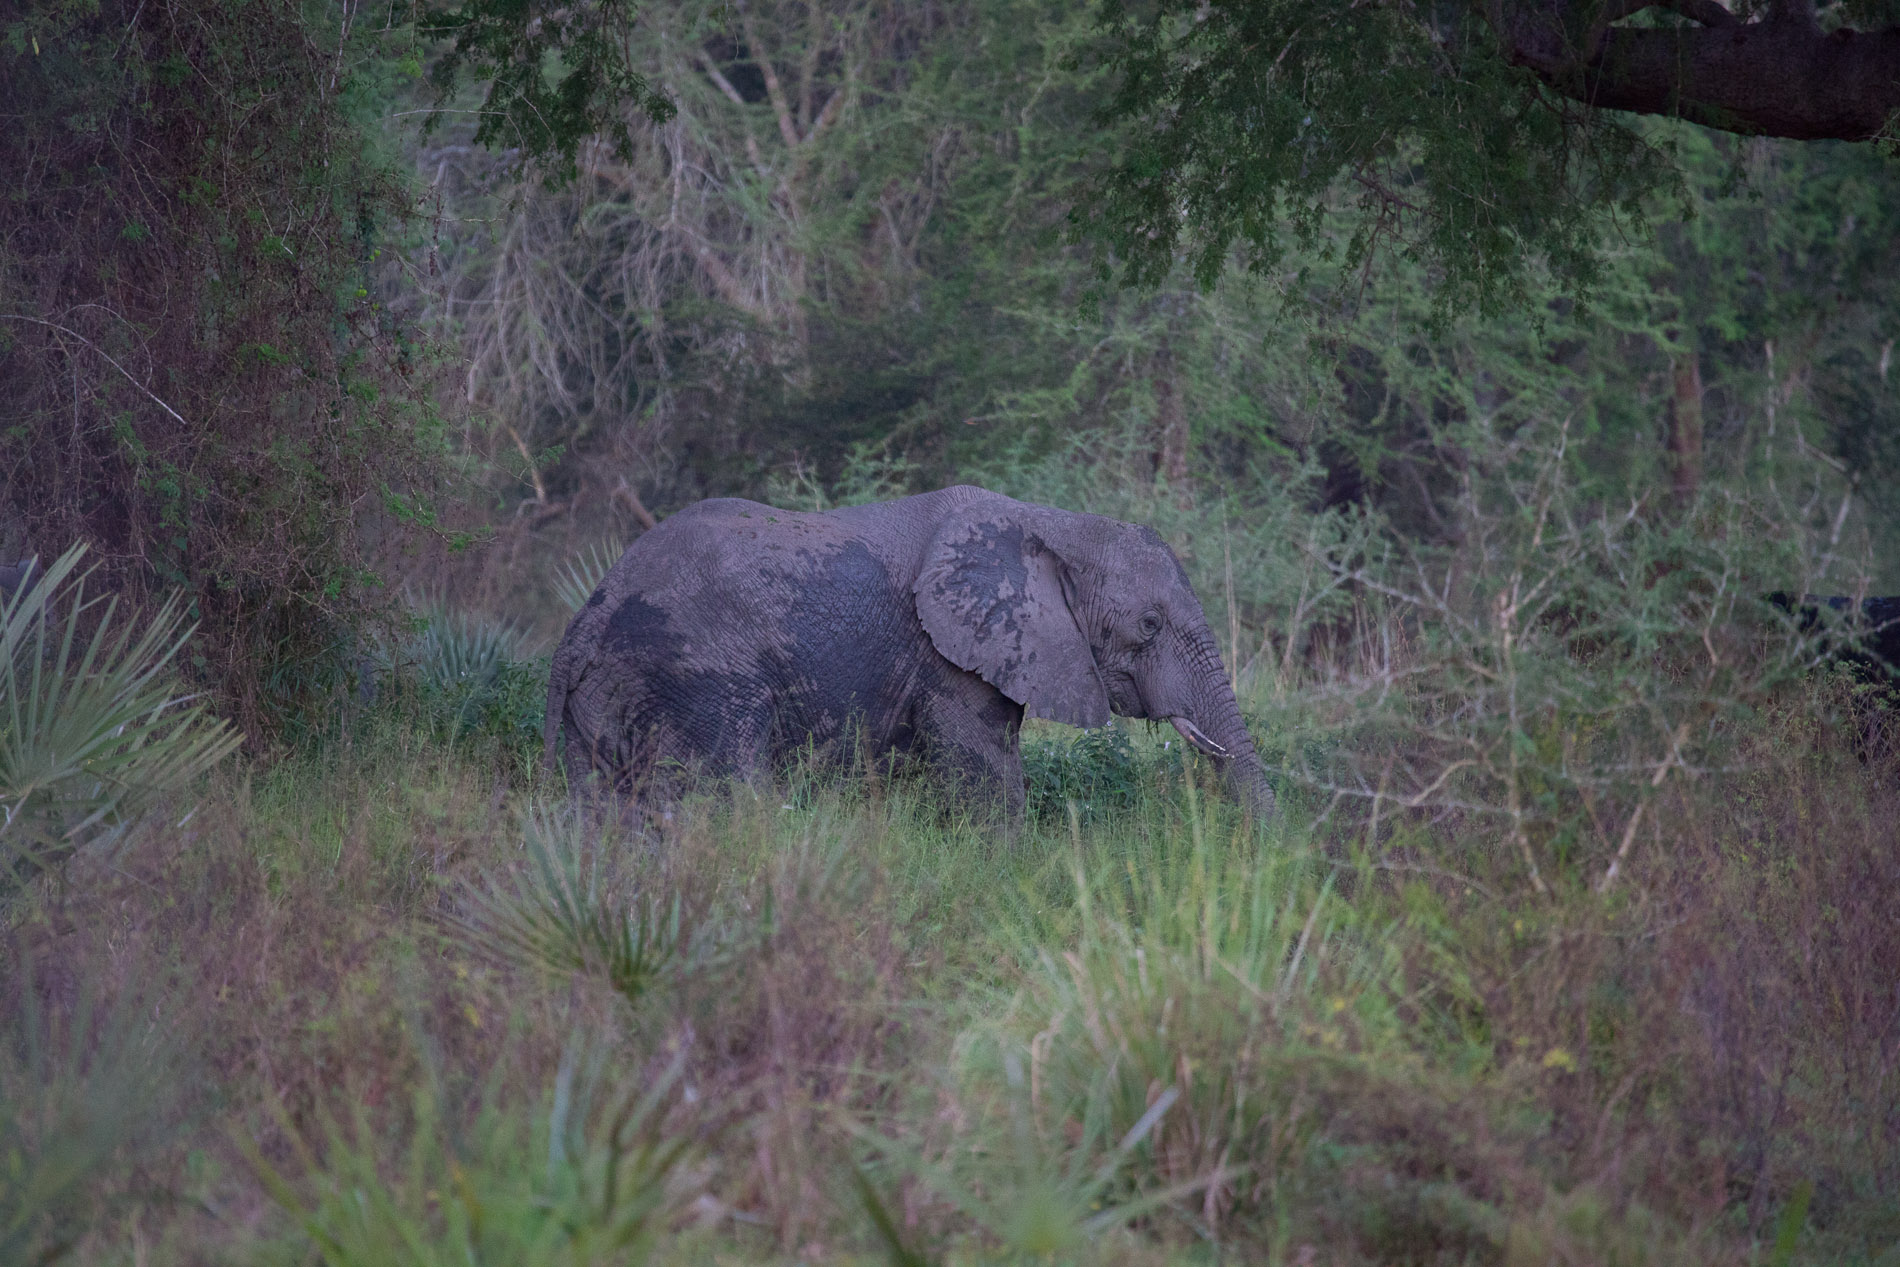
1076,616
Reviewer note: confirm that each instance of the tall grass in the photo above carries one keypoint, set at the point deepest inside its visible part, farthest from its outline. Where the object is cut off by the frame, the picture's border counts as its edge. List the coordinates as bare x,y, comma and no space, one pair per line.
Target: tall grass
860,1025
1573,943
88,1090
587,1174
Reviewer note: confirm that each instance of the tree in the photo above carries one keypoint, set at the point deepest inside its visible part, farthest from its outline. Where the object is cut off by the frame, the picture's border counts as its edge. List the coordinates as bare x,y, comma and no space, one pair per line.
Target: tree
1486,138
200,384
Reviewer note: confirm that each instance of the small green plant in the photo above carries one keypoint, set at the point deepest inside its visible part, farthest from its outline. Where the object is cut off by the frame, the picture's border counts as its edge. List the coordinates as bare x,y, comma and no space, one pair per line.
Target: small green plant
562,916
576,580
79,1090
1048,1192
588,1177
1099,771
474,675
94,730
456,651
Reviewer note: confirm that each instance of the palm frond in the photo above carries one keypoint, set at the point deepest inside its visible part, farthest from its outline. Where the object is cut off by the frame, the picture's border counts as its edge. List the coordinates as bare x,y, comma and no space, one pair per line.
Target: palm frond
576,580
460,651
93,728
561,917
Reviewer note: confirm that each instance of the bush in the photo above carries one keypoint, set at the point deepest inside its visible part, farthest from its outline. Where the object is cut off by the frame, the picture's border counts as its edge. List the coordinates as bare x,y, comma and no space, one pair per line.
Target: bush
1098,771
94,731
86,1093
474,676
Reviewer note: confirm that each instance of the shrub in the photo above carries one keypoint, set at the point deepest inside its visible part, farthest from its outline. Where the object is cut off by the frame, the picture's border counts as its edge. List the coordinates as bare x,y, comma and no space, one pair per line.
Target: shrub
462,677
576,580
562,917
94,731
85,1093
1098,771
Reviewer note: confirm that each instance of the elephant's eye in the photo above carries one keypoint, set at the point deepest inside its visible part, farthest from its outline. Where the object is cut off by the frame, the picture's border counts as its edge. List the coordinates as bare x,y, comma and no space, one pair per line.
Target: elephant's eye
1150,624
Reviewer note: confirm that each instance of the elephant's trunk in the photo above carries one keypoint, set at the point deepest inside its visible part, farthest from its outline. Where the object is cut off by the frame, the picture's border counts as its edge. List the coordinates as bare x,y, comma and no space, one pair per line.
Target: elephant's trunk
1217,728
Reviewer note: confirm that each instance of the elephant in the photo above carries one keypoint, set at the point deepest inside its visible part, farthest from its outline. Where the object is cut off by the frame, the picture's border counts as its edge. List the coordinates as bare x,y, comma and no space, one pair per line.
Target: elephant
733,636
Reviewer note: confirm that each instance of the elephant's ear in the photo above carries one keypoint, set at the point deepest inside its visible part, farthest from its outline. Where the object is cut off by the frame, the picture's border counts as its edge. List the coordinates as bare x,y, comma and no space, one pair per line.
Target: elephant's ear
992,597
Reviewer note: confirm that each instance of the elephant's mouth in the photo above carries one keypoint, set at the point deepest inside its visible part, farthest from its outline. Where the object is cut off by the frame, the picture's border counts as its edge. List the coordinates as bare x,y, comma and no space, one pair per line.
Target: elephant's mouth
1192,733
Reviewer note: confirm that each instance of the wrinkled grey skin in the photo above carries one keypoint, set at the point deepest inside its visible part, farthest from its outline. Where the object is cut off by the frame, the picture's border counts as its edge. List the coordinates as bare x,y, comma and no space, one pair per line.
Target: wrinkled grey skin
734,635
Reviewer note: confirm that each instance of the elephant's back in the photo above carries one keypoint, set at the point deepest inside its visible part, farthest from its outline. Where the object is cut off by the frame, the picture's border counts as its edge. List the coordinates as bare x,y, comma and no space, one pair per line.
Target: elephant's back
728,581
726,542
734,628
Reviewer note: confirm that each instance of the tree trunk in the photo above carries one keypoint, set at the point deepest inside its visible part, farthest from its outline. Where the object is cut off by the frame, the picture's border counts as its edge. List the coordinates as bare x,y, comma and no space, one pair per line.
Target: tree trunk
1779,76
1171,429
1684,439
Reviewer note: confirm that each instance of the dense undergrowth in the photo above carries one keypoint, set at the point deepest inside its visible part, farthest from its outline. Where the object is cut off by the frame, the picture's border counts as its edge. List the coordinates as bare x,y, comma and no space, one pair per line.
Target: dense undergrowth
1573,943
390,1000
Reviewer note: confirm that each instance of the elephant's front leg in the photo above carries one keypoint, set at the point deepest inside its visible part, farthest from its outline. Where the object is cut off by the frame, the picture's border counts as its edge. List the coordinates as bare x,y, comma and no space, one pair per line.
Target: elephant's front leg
969,732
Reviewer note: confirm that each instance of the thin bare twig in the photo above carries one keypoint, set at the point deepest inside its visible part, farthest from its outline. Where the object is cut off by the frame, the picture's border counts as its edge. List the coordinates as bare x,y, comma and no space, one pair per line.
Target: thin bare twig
534,473
626,493
53,325
1672,758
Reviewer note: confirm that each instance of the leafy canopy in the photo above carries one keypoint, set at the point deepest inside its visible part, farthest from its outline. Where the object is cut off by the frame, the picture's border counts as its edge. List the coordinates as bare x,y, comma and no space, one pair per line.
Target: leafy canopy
556,75
1342,127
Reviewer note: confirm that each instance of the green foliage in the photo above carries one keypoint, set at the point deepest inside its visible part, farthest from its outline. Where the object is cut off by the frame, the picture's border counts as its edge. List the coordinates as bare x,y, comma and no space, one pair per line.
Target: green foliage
215,400
1060,1197
584,1177
1247,123
1558,649
1132,1037
1226,979
561,916
576,580
472,675
556,76
82,1095
922,323
94,730
1098,771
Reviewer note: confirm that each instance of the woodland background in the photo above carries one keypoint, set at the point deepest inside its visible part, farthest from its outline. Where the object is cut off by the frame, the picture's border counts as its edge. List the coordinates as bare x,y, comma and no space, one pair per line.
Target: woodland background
351,372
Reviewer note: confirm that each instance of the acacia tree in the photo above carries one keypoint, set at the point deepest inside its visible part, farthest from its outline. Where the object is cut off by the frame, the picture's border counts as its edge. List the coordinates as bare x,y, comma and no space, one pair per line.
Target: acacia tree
1481,136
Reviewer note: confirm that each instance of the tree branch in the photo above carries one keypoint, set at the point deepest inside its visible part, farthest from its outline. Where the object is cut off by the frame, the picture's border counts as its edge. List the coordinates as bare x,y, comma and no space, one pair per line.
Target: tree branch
732,94
719,79
1707,12
786,128
1779,77
50,325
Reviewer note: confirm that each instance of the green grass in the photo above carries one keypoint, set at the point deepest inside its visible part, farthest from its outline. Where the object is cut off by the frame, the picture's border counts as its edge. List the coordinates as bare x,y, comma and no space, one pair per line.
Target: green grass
416,1012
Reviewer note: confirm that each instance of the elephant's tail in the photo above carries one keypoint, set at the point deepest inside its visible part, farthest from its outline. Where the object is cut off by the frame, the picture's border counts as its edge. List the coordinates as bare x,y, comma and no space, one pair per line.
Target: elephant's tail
557,706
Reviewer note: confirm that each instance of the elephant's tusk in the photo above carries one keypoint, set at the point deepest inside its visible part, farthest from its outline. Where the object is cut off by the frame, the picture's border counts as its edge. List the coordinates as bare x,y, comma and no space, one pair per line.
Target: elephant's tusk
1192,733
